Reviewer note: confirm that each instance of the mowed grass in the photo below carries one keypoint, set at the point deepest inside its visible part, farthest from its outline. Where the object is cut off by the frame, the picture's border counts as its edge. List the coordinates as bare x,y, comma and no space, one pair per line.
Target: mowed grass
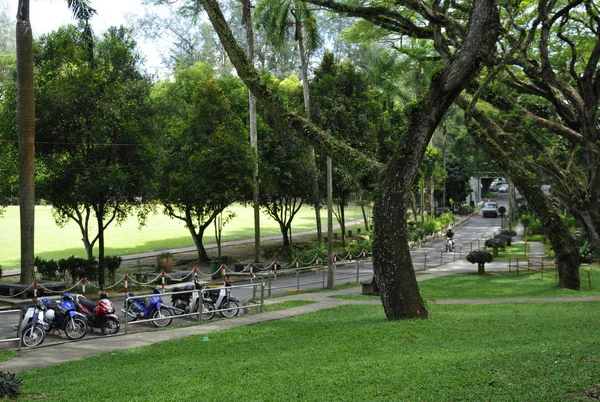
503,284
352,353
160,233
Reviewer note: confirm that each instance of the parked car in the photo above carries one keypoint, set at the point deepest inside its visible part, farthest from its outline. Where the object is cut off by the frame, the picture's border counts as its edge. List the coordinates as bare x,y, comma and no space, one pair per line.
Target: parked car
497,183
503,188
490,209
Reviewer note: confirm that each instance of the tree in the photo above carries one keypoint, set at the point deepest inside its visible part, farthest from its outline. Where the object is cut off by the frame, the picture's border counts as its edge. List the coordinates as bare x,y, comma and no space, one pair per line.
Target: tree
26,123
281,19
94,122
346,106
286,171
393,268
206,160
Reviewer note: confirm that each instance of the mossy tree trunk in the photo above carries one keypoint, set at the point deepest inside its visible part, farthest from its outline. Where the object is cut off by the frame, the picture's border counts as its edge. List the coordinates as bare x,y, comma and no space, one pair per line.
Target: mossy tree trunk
494,141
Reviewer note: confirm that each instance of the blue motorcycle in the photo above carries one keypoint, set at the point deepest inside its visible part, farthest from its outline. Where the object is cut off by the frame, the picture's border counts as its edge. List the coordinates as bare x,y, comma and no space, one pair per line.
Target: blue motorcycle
48,315
65,317
151,308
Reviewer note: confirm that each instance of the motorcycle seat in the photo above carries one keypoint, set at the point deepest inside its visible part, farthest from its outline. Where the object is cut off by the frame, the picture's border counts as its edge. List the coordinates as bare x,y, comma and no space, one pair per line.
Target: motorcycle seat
87,303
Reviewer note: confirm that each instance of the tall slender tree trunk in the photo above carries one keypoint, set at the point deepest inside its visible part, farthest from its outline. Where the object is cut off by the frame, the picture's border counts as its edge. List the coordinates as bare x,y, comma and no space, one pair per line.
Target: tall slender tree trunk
26,132
247,21
311,149
100,218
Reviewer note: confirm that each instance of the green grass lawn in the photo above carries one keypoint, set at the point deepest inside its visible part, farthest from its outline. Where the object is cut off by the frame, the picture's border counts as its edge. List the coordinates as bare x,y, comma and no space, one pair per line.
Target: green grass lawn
160,233
352,353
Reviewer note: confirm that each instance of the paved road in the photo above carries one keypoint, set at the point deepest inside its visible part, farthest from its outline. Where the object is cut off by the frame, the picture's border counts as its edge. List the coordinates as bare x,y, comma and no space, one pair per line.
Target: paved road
468,235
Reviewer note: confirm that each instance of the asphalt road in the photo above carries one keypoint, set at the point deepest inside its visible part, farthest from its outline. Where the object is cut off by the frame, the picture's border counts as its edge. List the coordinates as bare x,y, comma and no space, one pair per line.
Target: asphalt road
468,236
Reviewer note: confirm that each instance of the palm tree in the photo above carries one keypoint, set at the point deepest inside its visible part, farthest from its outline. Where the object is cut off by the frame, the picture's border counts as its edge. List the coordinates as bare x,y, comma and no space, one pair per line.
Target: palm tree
281,19
82,11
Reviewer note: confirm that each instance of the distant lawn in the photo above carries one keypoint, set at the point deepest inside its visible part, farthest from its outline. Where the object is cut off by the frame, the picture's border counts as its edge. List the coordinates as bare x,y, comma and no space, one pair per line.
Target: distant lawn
499,284
160,233
524,352
504,284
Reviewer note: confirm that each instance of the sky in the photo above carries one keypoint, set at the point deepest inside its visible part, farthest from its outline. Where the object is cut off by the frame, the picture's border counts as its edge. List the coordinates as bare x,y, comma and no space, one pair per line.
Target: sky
49,15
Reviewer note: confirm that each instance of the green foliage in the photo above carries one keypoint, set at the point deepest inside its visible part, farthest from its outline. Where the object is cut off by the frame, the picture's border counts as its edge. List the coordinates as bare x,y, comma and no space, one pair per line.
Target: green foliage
9,384
205,159
79,268
48,269
437,224
508,233
479,257
111,264
496,242
93,124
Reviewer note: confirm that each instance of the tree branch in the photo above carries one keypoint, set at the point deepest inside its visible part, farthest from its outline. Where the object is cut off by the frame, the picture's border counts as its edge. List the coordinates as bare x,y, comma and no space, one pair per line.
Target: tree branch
300,125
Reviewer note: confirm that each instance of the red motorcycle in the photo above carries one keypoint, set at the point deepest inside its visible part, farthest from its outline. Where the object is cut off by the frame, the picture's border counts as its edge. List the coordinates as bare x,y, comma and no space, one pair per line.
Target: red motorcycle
100,314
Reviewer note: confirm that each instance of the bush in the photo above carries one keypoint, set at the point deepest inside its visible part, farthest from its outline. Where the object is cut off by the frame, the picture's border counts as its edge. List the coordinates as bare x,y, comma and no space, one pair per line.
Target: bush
481,258
9,384
48,270
112,263
508,233
79,268
496,242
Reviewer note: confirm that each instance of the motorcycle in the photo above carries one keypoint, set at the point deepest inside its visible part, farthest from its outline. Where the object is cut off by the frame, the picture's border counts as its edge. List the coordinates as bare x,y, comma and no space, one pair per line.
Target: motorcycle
64,316
222,300
48,315
152,308
188,302
100,314
34,330
449,244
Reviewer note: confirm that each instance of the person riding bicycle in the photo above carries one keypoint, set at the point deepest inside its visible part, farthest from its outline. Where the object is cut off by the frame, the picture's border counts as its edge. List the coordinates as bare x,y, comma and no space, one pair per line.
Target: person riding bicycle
450,236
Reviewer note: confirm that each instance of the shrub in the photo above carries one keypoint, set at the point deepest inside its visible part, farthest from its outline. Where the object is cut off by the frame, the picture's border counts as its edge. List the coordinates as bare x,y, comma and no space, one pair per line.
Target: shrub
47,269
79,268
481,258
112,263
496,242
508,235
9,384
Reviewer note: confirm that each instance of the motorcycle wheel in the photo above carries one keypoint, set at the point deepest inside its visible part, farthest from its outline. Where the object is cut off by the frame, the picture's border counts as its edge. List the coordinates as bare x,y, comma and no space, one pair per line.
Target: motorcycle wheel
33,335
230,309
110,326
75,328
162,313
208,311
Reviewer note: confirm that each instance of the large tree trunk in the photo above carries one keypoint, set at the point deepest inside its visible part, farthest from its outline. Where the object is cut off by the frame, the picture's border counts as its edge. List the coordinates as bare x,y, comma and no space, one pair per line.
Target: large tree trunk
26,128
313,159
392,262
492,139
393,267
